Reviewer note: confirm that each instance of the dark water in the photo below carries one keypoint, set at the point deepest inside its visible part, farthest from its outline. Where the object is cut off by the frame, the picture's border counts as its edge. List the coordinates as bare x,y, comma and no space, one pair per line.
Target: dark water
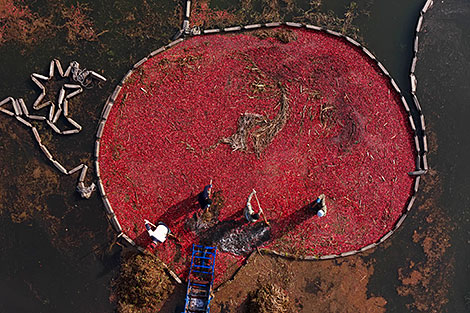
57,252
59,257
445,89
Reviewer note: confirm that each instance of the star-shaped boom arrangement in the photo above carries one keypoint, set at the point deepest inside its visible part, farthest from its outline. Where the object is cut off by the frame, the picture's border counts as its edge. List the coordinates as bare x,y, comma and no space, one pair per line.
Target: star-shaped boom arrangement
78,79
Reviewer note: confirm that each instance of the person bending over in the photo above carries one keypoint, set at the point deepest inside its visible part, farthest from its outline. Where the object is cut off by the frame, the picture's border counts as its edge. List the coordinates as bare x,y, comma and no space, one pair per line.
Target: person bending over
250,214
158,233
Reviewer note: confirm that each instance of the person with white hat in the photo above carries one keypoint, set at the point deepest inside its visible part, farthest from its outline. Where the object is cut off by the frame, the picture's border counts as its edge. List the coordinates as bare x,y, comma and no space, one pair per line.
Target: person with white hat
320,205
158,233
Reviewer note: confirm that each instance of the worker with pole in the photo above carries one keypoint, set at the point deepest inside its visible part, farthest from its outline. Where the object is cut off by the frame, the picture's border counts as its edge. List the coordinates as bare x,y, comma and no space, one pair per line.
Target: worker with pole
205,197
319,206
158,233
250,214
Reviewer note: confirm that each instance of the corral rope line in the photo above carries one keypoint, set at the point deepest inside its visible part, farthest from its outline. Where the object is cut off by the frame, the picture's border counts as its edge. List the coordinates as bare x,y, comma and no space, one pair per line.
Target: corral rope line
84,78
421,160
186,26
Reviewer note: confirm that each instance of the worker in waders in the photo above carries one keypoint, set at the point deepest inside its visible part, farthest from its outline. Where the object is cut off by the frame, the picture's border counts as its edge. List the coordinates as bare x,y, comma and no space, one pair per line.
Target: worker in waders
319,206
250,214
158,233
205,197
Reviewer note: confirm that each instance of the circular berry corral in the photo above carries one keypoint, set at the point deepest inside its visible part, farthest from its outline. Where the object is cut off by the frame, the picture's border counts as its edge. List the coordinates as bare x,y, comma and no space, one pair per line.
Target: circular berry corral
290,113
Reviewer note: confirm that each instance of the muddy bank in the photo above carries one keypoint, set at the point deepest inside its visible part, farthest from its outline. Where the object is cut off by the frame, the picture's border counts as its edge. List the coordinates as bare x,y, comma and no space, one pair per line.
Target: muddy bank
326,286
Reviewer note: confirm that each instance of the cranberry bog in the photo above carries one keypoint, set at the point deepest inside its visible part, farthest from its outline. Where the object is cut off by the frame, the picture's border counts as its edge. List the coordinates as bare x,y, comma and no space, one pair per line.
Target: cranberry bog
292,113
